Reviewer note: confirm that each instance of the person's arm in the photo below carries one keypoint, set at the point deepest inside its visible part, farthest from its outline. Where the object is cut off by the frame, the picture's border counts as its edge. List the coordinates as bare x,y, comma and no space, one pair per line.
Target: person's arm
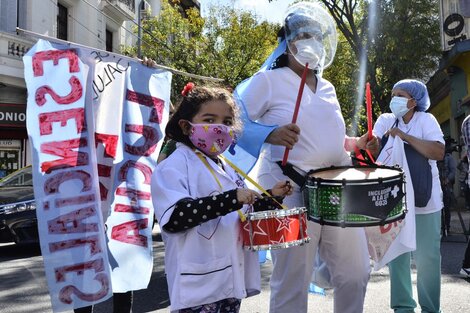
268,203
433,150
363,143
189,213
431,145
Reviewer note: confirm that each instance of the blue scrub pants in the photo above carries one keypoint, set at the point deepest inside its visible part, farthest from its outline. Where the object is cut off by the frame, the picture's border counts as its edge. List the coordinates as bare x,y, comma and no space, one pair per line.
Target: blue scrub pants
428,265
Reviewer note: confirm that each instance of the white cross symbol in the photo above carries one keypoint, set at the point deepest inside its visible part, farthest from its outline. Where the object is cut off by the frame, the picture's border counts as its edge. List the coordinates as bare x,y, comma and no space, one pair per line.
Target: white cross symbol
395,191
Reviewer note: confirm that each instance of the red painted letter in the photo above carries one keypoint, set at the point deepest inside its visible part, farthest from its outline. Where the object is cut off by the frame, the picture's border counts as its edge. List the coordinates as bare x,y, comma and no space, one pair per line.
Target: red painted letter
55,55
64,149
151,139
46,120
121,232
74,95
73,222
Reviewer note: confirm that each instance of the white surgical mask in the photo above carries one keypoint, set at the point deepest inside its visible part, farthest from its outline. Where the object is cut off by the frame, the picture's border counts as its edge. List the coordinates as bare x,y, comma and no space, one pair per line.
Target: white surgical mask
398,106
308,51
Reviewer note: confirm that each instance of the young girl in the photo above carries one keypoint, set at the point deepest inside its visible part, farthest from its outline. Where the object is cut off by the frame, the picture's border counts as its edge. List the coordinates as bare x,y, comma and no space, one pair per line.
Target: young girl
196,196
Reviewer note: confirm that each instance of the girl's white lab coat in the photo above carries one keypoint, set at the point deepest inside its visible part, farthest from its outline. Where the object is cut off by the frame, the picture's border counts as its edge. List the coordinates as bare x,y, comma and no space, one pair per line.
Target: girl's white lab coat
206,263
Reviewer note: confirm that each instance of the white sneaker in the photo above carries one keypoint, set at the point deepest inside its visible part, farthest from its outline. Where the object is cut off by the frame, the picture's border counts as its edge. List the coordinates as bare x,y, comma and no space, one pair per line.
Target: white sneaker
465,272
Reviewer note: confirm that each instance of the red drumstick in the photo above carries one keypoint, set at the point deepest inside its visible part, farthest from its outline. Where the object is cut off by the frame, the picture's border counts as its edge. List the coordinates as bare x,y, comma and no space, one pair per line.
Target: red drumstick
369,111
369,117
297,106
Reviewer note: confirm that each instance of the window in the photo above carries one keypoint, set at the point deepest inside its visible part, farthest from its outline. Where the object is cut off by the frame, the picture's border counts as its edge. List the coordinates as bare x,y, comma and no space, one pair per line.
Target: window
8,16
62,25
109,40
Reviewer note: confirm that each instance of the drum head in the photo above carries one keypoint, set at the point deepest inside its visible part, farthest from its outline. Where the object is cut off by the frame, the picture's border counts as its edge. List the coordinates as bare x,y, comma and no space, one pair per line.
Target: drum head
355,174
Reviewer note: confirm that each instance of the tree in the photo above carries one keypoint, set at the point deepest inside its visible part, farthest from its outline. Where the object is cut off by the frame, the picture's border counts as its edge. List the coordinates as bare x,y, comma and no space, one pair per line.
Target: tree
385,35
229,44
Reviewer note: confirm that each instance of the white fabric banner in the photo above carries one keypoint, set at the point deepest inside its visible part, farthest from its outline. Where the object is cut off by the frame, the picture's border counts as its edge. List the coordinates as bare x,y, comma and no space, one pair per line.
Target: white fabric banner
391,240
129,137
94,138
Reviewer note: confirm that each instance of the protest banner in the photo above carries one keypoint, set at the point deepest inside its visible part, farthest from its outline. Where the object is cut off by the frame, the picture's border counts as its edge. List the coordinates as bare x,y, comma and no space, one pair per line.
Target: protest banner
95,122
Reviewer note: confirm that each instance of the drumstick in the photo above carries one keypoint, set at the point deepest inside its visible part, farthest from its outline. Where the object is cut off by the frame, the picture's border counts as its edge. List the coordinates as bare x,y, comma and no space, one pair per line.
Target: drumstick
369,111
296,110
369,118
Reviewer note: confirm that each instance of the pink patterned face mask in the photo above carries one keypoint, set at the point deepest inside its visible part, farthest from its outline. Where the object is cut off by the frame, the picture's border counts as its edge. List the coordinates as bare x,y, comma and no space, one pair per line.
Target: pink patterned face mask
212,139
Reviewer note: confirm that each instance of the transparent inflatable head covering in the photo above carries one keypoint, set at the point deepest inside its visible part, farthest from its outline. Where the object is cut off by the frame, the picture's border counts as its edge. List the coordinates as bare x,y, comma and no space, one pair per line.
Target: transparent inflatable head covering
306,20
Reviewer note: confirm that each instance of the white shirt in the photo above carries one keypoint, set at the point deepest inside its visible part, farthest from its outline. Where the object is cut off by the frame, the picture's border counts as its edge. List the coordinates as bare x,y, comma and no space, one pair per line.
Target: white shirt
423,126
270,99
206,263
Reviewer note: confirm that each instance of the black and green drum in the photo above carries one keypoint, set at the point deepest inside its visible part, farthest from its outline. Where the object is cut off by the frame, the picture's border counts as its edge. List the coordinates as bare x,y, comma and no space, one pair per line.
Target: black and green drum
351,196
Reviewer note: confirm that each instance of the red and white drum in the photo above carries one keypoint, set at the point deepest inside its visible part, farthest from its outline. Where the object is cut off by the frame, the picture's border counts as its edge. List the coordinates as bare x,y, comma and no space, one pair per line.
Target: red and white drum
276,229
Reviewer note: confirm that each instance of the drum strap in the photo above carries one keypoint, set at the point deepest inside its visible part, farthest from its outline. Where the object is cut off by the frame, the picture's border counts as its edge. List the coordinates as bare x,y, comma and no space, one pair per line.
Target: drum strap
290,172
204,161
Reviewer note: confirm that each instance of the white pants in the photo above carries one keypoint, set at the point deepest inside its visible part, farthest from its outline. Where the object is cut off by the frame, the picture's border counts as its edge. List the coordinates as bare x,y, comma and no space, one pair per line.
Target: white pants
344,250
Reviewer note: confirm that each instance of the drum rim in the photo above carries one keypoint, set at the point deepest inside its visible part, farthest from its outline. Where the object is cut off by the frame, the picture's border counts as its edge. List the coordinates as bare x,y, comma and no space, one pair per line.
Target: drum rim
343,223
277,246
262,215
367,181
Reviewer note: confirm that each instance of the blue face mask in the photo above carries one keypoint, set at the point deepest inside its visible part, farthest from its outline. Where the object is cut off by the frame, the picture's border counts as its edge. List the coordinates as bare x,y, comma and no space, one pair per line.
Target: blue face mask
398,106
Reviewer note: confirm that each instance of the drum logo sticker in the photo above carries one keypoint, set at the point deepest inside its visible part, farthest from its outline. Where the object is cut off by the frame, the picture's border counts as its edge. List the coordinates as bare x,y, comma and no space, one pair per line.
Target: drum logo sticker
379,197
375,200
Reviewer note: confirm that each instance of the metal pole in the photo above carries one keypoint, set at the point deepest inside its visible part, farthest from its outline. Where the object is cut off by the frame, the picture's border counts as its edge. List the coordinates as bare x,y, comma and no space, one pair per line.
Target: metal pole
139,31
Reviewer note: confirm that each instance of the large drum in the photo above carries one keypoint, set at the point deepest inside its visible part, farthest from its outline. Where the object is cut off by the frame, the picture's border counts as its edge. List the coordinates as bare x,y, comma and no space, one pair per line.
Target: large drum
355,196
276,229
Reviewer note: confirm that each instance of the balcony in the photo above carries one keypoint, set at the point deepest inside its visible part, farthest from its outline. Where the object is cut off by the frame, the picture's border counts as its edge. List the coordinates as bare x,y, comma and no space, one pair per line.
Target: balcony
14,46
122,10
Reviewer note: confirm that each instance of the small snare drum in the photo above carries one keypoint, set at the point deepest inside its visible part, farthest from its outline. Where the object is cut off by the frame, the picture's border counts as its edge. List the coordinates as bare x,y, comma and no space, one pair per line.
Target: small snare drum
350,196
276,229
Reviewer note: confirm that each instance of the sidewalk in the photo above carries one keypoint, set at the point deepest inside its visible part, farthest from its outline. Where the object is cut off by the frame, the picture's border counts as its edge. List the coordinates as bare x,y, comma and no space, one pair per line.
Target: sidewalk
454,294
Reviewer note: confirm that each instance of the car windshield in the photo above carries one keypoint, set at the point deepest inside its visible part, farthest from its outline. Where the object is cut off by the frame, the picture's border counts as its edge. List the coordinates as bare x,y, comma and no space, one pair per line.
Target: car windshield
22,177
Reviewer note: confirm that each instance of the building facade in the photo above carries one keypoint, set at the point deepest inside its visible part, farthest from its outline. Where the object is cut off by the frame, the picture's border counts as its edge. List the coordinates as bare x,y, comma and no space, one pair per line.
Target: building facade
102,24
450,85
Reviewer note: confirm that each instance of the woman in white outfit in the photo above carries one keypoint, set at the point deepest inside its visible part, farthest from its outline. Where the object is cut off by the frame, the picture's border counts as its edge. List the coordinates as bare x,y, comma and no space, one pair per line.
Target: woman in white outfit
317,140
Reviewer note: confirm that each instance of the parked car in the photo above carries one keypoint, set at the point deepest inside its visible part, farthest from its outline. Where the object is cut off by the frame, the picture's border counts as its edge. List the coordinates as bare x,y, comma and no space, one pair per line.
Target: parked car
18,221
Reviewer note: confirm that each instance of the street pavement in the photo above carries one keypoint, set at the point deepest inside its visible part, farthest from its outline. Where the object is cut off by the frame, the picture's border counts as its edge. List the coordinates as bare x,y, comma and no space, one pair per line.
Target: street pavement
23,287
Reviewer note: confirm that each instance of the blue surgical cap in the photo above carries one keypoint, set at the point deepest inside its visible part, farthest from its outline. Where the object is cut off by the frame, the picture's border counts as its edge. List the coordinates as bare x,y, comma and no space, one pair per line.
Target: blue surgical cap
417,90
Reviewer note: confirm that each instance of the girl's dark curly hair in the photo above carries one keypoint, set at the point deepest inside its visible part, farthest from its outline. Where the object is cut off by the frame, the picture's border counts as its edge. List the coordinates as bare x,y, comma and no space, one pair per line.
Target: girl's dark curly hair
190,106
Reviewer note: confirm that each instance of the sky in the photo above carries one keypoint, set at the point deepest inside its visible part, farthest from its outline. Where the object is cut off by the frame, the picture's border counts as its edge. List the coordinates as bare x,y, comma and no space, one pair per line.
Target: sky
271,11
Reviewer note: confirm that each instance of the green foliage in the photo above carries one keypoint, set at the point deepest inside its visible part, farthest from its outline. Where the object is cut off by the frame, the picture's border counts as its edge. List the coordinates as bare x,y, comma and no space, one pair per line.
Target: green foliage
407,45
229,44
232,45
403,44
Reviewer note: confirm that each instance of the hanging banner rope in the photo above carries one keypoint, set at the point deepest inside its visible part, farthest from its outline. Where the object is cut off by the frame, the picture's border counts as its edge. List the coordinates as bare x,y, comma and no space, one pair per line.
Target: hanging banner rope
25,32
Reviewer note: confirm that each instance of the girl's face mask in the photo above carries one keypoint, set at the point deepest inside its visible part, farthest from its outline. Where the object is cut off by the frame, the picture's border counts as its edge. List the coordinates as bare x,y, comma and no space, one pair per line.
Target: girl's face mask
399,106
212,139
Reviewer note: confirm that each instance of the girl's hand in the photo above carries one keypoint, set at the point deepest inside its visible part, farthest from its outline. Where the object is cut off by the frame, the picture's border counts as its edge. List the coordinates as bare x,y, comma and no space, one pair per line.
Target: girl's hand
281,189
247,196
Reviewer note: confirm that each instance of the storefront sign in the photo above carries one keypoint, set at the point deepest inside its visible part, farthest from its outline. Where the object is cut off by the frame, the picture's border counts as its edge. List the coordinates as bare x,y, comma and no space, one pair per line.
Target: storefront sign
12,115
455,22
10,144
